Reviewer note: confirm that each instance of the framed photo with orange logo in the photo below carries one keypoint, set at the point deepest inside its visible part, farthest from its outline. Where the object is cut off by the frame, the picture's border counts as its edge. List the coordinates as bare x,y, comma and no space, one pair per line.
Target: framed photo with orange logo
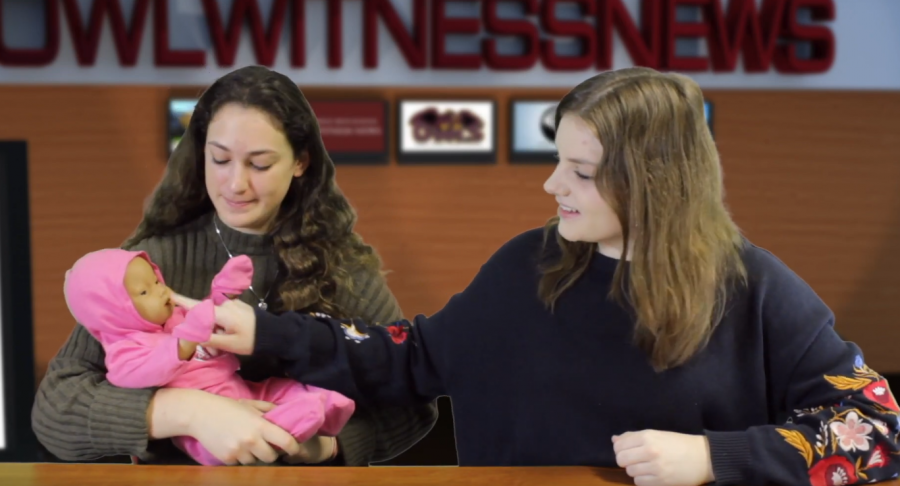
436,131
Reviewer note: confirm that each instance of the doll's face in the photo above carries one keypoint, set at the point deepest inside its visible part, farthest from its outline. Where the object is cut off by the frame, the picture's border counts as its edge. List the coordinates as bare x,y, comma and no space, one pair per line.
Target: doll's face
151,298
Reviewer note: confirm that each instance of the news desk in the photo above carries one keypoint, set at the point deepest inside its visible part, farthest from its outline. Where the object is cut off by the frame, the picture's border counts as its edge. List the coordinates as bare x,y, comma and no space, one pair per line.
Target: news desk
129,475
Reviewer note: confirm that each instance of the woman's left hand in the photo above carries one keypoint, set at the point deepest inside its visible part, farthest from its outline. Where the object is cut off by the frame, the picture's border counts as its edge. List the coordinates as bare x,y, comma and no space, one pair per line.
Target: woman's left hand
238,323
656,458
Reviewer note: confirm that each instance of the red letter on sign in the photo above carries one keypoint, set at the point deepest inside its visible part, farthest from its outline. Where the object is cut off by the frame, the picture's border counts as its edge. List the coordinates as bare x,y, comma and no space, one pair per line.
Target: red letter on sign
526,30
580,30
644,49
684,29
413,48
164,55
298,35
745,31
335,46
265,43
822,39
34,57
127,43
442,27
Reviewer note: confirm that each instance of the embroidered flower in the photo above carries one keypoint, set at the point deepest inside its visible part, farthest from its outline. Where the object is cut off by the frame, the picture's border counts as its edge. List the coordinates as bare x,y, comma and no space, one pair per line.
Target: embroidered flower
822,438
880,426
832,471
353,334
398,333
853,433
878,391
879,457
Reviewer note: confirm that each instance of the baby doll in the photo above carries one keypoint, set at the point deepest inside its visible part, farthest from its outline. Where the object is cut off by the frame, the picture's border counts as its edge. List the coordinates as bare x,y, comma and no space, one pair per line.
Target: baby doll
120,297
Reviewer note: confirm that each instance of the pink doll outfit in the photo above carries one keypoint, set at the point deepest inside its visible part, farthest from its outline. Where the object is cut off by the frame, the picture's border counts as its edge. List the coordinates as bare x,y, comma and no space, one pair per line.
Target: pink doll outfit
141,354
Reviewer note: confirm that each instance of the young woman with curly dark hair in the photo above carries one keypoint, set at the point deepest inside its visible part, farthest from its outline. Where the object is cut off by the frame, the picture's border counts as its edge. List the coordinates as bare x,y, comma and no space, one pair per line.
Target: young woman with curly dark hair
250,176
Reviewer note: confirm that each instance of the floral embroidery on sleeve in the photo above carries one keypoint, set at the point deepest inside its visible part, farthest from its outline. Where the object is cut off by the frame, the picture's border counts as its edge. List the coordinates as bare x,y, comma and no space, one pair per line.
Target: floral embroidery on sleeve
849,433
398,332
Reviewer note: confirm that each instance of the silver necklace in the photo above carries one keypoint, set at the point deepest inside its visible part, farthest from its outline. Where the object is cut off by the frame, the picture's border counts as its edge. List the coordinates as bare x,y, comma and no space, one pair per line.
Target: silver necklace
262,302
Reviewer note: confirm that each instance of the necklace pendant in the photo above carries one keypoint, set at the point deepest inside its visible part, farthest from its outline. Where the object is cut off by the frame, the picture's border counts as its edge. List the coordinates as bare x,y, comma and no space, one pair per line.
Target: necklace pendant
263,305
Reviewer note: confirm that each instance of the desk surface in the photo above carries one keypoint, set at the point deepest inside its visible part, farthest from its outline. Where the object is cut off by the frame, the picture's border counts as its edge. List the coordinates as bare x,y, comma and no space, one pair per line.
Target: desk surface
123,474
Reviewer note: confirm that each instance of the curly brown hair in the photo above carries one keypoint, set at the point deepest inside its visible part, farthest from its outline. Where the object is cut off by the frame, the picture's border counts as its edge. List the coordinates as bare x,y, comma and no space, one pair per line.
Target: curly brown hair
313,233
660,172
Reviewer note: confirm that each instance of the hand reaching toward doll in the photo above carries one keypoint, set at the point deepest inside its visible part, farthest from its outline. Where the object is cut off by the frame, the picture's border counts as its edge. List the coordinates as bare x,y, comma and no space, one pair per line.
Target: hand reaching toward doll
200,320
237,320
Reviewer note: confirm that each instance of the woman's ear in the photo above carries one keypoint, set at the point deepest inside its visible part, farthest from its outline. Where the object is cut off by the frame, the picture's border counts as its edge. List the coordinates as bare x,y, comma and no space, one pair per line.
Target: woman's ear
302,163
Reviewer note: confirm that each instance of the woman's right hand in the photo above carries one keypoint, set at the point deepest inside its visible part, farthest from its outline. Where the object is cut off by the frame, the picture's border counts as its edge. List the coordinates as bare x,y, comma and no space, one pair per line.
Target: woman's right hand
248,438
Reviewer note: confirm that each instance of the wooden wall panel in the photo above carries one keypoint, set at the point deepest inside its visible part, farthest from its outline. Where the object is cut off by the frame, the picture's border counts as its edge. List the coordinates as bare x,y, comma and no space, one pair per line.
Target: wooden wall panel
812,176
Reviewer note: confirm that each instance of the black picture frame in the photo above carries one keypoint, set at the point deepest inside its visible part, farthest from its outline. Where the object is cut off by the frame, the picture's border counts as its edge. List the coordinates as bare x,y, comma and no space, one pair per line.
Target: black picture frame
449,158
16,313
523,157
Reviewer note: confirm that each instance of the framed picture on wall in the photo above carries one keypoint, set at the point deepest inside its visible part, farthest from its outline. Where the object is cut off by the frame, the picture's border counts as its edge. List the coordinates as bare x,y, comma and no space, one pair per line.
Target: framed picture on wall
446,131
532,131
17,380
353,131
180,111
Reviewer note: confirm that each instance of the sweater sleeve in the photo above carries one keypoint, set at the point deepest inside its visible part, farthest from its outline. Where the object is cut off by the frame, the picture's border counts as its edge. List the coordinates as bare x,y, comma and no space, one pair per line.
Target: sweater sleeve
373,365
376,434
79,415
403,363
838,419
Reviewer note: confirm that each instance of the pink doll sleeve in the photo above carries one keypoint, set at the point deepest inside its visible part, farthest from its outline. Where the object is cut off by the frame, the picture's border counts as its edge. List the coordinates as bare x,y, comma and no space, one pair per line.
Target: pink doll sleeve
234,278
143,360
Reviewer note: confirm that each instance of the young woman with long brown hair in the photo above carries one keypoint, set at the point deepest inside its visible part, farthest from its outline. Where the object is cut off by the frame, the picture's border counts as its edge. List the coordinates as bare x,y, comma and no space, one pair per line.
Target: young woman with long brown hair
251,176
639,328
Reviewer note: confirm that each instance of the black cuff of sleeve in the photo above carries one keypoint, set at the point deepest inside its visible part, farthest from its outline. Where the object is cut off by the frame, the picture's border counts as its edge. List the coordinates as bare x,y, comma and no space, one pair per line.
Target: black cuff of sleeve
730,454
294,337
273,337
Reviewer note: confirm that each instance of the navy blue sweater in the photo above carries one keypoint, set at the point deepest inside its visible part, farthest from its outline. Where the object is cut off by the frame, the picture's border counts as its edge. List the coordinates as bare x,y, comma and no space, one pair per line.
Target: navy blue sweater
779,395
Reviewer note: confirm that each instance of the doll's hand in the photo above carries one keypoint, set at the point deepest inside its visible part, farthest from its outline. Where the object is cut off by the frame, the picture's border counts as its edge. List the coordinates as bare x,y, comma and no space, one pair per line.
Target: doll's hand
198,324
234,278
655,458
237,319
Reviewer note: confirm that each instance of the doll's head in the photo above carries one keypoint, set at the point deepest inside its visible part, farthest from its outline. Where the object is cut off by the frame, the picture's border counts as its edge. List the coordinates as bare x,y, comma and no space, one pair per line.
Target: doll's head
149,294
115,291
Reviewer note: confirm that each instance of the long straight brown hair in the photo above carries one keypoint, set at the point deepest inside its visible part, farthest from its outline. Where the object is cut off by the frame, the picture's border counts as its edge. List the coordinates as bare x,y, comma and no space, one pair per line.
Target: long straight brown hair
660,173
